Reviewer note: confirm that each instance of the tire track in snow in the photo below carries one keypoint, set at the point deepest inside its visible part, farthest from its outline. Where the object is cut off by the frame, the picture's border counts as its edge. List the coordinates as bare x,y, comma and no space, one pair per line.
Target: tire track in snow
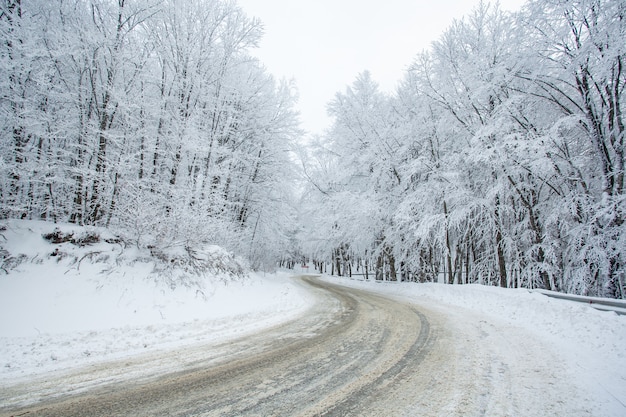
355,353
331,361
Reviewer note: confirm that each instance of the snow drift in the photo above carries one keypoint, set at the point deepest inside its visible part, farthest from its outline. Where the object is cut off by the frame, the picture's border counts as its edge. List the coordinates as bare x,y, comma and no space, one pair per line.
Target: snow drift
71,295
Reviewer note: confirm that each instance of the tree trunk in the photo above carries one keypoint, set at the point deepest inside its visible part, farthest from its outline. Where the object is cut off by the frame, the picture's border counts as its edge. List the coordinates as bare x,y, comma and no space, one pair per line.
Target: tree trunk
392,265
450,278
499,244
337,263
379,268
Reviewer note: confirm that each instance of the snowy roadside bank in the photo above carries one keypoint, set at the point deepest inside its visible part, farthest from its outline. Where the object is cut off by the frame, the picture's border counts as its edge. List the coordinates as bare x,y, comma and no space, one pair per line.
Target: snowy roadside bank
58,315
590,345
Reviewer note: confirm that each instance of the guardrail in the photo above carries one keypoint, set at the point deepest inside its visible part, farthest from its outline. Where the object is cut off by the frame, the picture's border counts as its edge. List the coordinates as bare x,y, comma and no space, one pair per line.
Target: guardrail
604,304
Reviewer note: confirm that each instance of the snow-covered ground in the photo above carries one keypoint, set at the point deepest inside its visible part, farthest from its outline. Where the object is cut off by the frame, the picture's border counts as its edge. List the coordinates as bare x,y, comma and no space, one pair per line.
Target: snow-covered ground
588,345
63,306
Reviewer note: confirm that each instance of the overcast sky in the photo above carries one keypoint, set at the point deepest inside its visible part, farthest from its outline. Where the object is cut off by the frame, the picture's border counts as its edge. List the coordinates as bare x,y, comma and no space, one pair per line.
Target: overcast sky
324,44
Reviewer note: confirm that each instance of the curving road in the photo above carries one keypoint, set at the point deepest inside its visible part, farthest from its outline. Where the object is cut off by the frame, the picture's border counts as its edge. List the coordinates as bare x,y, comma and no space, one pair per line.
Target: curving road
354,354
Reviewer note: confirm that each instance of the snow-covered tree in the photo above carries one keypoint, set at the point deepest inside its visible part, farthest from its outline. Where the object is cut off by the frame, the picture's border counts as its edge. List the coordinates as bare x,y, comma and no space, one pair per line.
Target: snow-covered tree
146,116
499,159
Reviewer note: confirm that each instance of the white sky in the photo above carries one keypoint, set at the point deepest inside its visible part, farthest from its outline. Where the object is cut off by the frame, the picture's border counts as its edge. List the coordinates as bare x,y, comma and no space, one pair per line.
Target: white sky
325,44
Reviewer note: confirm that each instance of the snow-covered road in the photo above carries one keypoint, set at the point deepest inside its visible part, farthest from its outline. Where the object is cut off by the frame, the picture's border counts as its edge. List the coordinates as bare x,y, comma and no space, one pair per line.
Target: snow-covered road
354,352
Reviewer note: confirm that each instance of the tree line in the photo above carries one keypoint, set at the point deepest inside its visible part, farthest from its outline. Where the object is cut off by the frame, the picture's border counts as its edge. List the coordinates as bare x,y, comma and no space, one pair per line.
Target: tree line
149,117
498,160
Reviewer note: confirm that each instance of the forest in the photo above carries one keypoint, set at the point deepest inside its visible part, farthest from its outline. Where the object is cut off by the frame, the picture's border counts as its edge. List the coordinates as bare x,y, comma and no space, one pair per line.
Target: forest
148,117
498,160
